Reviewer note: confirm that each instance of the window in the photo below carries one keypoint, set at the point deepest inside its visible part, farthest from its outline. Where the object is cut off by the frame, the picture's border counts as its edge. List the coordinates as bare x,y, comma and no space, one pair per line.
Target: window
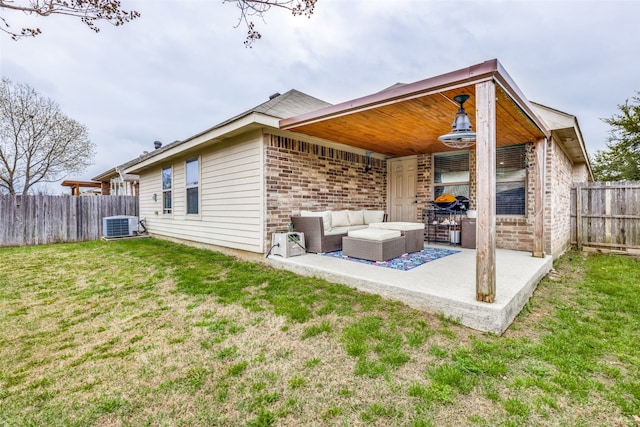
451,174
117,187
511,174
167,182
192,181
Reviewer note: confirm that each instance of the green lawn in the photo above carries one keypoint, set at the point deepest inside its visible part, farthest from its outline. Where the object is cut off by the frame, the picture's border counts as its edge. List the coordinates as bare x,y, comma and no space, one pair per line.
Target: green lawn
147,332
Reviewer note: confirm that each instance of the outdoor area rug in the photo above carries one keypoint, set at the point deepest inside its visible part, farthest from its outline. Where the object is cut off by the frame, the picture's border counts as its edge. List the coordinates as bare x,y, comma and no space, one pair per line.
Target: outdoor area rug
404,262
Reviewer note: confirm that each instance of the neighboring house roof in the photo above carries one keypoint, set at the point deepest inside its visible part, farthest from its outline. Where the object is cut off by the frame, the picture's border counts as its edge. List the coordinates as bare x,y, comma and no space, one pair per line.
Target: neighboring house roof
268,113
118,171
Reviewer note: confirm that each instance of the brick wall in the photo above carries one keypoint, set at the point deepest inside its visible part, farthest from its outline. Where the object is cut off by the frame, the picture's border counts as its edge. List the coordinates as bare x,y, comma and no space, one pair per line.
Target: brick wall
580,173
105,188
425,180
516,232
512,232
304,176
473,187
557,213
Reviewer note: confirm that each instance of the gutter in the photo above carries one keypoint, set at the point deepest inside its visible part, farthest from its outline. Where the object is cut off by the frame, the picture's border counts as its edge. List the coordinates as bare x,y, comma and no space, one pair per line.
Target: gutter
488,70
214,135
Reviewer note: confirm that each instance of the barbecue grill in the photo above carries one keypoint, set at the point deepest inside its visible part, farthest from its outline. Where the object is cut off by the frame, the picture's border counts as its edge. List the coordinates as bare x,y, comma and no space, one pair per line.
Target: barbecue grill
451,203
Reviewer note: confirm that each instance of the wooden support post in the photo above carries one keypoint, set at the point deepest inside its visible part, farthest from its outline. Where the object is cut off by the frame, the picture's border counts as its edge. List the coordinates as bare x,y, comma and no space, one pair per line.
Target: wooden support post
486,191
538,208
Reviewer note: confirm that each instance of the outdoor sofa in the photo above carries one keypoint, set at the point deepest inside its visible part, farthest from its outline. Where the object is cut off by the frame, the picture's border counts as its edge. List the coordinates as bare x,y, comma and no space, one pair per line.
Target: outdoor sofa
323,231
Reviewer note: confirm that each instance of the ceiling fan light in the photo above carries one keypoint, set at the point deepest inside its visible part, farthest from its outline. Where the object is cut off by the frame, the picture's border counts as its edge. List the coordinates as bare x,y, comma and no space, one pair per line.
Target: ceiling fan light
461,135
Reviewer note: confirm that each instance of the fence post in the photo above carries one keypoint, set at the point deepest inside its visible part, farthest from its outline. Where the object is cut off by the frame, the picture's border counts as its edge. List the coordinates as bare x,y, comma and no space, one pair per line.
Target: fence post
579,216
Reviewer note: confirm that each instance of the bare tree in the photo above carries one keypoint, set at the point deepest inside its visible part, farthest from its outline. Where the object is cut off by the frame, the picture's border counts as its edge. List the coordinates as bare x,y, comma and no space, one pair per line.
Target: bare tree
89,11
257,8
38,143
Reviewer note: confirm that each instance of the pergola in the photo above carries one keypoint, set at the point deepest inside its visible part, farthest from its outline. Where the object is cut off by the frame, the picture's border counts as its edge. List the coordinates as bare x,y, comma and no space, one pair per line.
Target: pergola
407,120
77,185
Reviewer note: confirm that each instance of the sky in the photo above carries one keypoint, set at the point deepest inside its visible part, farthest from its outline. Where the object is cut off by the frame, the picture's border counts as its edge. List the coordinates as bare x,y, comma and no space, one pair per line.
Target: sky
182,67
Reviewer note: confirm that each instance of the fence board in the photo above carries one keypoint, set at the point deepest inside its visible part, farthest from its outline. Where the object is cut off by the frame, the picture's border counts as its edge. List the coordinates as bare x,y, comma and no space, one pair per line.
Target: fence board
606,214
33,220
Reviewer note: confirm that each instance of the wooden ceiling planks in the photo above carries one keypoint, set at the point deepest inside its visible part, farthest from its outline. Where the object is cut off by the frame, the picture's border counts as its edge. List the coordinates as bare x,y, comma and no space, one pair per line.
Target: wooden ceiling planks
412,126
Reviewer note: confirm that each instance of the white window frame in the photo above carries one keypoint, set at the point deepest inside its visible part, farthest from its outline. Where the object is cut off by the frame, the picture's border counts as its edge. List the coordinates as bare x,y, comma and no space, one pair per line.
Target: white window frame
192,185
167,191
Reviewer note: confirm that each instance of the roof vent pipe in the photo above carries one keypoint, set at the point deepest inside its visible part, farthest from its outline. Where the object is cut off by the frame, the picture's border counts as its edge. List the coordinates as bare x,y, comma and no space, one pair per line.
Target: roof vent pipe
275,95
157,144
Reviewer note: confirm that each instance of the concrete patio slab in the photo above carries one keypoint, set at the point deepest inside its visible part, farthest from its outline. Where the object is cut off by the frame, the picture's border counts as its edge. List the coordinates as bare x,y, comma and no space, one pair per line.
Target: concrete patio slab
446,285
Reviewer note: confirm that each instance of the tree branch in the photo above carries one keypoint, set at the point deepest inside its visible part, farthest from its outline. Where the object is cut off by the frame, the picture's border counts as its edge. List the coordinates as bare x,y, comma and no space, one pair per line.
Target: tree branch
257,8
89,12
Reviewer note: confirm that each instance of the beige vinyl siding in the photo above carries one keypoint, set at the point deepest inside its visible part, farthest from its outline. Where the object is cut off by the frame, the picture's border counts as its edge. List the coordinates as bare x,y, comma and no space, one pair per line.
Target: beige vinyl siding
231,197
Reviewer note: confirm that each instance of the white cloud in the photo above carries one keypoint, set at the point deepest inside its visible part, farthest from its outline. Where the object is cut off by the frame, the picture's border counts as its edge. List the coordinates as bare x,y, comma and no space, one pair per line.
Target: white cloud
182,67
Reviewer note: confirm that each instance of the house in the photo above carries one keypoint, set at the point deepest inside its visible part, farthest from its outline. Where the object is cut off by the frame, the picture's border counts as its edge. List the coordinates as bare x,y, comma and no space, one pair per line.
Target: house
231,186
114,182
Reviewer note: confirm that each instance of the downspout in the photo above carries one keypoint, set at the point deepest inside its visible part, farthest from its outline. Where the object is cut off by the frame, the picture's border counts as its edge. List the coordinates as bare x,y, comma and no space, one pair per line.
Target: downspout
124,186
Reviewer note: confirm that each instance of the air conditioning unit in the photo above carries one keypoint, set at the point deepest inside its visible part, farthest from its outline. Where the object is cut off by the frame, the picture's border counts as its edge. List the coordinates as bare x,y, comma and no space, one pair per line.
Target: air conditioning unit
120,226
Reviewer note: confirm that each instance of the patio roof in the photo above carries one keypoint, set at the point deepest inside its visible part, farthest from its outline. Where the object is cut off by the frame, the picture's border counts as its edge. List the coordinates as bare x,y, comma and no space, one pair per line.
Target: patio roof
406,119
76,186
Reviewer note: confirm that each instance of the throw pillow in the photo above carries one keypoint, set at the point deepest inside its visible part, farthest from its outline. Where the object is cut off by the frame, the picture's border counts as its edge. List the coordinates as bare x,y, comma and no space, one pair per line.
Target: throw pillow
373,216
339,219
356,217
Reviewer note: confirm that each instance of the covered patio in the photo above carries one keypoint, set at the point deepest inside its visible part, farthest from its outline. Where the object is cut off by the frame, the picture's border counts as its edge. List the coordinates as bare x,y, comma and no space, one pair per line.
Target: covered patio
445,286
406,120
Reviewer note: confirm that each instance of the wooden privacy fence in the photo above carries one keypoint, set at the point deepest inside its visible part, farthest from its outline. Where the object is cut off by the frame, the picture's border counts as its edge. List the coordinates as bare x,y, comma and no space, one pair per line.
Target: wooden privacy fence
34,220
606,215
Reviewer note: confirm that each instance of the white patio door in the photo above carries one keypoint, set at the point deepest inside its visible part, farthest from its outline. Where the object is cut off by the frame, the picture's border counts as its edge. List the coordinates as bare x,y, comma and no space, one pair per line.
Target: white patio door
403,180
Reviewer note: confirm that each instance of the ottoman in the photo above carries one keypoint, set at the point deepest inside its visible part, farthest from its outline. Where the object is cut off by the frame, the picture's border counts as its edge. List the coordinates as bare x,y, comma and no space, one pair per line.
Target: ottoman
373,244
413,232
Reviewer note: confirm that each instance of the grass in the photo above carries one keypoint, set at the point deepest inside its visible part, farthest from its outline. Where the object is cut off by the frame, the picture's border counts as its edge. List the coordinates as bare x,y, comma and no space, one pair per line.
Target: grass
147,332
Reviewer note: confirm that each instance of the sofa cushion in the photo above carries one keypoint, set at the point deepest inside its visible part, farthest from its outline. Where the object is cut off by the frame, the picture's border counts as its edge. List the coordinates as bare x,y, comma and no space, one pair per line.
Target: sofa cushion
343,230
336,230
326,218
356,217
402,226
339,219
373,216
377,234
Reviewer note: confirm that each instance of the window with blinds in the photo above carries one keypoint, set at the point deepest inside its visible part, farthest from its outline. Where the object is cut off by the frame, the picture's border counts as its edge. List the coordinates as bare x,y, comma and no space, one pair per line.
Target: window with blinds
451,176
511,175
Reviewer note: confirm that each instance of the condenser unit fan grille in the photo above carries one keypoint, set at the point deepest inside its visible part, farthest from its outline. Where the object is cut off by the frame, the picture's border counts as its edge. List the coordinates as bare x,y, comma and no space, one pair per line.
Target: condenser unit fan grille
120,226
